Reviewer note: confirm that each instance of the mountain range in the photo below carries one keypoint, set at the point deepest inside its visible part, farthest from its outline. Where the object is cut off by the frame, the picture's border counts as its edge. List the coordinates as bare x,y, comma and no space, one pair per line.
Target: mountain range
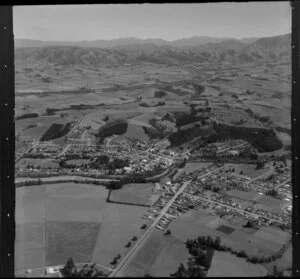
192,41
158,51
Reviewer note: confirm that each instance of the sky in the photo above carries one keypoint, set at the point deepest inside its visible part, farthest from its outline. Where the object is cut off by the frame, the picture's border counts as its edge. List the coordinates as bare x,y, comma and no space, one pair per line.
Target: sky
166,21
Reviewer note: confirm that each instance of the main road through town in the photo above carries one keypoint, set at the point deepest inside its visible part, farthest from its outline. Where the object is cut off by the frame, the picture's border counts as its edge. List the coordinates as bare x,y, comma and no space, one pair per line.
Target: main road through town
162,213
140,241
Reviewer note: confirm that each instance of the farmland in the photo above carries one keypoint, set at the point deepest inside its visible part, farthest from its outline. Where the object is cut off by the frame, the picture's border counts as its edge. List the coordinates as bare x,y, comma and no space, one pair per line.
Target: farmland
180,138
133,194
247,170
56,220
159,256
226,265
201,222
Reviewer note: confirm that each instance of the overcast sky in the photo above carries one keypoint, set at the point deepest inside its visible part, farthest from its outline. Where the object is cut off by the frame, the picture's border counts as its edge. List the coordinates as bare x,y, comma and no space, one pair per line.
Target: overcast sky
166,21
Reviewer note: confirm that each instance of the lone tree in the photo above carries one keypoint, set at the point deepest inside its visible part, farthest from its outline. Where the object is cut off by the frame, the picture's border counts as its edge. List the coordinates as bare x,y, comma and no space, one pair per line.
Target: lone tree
168,232
69,270
273,193
260,164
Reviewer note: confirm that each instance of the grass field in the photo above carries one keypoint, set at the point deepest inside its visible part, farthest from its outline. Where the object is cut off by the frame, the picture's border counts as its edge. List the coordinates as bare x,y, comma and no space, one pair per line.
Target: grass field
246,169
270,203
138,193
78,162
284,262
76,221
285,138
200,222
70,239
227,265
242,194
118,225
136,132
159,255
43,163
30,245
42,123
273,234
194,166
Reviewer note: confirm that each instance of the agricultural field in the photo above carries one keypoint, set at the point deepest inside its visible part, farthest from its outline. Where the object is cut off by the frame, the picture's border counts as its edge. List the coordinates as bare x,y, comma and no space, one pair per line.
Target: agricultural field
135,193
136,132
194,166
42,163
285,262
58,221
201,222
248,170
227,265
78,162
70,238
160,255
72,217
37,126
242,194
271,204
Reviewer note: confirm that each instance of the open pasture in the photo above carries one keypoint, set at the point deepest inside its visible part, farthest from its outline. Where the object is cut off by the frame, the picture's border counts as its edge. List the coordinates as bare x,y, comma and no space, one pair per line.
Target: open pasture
42,163
270,203
30,245
201,223
273,234
135,193
191,167
159,255
228,265
36,127
119,224
248,170
73,217
70,239
78,162
242,194
136,132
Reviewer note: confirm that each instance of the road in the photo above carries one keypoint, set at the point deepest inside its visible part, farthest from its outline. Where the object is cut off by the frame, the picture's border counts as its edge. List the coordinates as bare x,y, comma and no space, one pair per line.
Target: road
140,241
260,176
282,183
65,150
162,213
28,150
232,147
236,209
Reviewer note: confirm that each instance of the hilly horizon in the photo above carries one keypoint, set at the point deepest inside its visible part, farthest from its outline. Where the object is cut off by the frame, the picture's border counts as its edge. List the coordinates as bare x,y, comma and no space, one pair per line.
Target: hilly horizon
191,41
269,49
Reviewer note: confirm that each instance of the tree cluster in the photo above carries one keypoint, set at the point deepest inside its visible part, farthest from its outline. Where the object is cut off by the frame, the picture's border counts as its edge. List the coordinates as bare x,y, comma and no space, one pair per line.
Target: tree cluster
70,270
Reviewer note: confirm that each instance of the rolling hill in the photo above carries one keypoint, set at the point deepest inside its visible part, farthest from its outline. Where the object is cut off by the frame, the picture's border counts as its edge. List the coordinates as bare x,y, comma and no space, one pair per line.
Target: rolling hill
271,49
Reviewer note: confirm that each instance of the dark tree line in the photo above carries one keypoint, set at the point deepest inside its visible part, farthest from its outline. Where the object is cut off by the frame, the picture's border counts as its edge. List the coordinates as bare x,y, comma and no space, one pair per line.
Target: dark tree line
70,270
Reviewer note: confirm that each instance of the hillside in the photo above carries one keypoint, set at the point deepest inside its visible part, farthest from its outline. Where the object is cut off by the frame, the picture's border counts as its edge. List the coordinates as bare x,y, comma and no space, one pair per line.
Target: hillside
272,49
114,127
193,41
56,131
